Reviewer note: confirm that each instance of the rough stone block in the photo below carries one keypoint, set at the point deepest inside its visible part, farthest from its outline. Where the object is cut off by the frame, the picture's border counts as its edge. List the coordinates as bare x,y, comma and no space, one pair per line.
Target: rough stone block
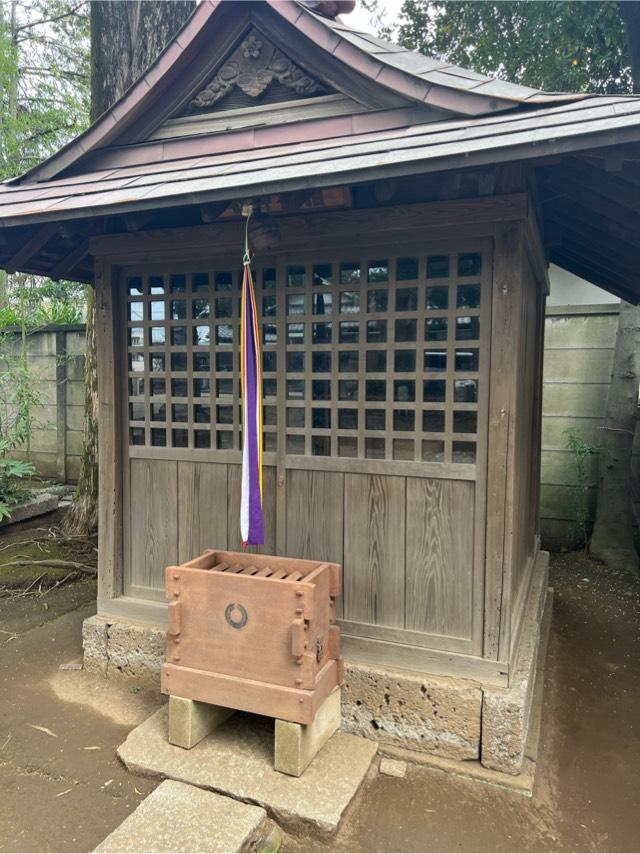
424,713
94,645
190,721
393,767
136,651
506,711
296,745
177,817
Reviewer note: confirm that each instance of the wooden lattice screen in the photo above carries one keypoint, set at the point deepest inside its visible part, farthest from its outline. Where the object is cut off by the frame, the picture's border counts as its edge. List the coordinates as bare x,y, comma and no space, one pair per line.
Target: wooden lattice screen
367,358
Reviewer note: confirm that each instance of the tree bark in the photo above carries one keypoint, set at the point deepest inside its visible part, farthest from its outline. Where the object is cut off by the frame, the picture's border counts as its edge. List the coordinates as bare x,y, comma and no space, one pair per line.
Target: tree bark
630,14
612,539
126,37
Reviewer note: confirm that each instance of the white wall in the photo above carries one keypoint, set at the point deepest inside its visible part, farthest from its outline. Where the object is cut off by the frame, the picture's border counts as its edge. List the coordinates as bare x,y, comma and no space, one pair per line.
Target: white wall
567,289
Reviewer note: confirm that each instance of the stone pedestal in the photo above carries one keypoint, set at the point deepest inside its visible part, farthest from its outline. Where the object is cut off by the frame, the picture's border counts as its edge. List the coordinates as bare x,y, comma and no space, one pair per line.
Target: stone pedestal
190,721
296,745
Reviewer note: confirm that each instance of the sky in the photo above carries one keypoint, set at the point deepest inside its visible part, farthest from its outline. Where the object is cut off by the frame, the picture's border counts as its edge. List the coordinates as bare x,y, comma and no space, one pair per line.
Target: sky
360,19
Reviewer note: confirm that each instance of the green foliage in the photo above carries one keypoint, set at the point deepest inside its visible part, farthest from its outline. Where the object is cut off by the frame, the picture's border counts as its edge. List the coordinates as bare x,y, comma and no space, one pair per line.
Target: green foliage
12,489
33,302
555,45
44,79
18,397
44,103
581,451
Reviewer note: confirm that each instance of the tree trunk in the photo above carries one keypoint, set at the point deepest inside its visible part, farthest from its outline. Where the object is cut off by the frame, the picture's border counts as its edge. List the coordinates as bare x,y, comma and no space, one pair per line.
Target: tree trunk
612,540
126,37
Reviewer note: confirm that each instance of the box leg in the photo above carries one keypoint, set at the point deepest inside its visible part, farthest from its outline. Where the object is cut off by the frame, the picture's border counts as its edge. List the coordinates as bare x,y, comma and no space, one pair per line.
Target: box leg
297,744
190,721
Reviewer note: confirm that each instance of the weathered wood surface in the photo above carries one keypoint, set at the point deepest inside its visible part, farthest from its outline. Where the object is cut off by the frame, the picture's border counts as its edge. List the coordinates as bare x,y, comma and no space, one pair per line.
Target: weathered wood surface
110,460
439,595
202,516
153,520
374,549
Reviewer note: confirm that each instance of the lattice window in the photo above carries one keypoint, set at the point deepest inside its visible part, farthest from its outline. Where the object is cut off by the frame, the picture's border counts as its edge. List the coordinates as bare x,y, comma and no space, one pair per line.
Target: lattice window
183,359
377,358
383,357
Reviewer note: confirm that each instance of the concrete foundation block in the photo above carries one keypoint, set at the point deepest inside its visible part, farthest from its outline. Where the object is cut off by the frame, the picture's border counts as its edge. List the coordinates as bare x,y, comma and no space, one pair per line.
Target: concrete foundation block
506,712
414,711
94,645
190,721
296,745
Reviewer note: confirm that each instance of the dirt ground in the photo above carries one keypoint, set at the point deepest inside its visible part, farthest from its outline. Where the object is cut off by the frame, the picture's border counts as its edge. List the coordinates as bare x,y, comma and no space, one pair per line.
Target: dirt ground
63,789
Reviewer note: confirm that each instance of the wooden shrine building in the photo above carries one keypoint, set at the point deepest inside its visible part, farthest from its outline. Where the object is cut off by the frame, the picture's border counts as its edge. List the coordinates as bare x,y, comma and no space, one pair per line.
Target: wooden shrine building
405,214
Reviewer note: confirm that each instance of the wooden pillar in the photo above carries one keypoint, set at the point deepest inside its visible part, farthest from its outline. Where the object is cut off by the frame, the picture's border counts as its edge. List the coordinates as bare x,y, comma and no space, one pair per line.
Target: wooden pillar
505,328
110,521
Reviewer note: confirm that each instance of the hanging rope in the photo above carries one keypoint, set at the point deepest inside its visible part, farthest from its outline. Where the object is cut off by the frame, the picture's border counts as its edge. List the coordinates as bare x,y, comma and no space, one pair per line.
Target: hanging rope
251,518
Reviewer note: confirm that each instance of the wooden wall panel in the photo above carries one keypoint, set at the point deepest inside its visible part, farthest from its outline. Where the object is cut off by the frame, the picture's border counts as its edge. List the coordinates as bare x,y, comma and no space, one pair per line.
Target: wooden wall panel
315,505
202,508
440,536
234,542
315,512
153,520
374,549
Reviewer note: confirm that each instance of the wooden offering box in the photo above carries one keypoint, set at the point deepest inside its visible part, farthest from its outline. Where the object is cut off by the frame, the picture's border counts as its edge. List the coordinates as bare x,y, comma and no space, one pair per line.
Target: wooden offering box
253,632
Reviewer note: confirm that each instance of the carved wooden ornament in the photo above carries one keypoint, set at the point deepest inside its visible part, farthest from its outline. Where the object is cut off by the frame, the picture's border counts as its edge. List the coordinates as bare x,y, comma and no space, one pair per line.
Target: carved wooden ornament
252,67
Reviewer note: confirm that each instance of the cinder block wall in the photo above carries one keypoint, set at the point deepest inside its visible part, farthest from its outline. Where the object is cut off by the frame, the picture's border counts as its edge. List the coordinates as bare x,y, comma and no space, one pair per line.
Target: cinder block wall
578,356
56,359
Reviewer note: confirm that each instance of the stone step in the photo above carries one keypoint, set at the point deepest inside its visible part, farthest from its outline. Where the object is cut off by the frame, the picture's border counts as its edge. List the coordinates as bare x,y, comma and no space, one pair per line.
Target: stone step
178,818
237,760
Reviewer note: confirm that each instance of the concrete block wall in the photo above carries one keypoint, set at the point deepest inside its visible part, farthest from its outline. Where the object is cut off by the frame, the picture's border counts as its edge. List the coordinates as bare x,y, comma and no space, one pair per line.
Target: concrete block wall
578,357
56,359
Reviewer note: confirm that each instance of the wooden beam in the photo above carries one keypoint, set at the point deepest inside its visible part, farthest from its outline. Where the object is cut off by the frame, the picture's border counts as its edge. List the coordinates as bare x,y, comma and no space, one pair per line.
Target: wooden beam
611,186
28,249
590,241
598,204
211,212
66,264
300,230
136,221
563,208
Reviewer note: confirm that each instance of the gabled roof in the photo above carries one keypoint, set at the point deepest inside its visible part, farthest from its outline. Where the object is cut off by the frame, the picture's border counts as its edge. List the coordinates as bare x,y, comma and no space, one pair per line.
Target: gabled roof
374,111
385,73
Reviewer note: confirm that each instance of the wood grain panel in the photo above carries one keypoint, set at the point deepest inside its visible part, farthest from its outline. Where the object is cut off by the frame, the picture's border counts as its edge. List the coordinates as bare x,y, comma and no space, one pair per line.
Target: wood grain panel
440,535
374,549
315,501
234,541
202,503
153,520
315,508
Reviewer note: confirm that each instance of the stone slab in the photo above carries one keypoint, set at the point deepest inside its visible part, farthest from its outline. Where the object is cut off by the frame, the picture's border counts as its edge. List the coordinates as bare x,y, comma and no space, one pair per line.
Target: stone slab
40,504
237,760
181,818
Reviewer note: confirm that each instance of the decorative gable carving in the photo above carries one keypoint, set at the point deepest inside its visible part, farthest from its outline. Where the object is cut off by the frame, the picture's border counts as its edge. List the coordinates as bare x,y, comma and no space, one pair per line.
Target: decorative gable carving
256,67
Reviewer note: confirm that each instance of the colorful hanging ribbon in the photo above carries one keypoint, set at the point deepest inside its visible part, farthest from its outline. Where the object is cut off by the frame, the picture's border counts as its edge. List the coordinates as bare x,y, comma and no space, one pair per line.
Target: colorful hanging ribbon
251,521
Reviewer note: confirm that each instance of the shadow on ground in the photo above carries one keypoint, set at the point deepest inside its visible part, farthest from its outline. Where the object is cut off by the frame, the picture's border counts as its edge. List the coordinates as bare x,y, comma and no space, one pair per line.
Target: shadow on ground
64,790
